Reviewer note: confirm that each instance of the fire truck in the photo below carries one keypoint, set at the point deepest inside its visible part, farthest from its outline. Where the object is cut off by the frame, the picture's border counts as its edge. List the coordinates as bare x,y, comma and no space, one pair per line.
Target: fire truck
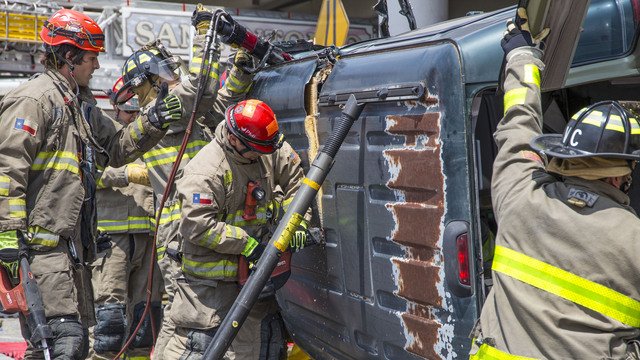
128,25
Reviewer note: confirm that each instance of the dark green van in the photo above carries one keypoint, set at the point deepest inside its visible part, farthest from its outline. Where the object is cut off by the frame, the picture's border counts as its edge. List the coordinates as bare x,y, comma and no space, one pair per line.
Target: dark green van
406,209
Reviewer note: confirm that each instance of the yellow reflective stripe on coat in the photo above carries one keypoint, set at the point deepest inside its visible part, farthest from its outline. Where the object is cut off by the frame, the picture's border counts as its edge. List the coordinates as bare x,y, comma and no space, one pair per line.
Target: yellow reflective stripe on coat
5,181
17,208
234,84
568,286
487,352
212,238
169,155
41,236
532,75
196,64
160,251
237,220
210,270
57,160
518,96
132,223
137,130
170,213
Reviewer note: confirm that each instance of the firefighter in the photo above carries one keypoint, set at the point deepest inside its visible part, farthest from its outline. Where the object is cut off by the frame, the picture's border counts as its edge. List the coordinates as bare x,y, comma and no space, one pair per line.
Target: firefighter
142,74
119,274
52,138
212,192
566,253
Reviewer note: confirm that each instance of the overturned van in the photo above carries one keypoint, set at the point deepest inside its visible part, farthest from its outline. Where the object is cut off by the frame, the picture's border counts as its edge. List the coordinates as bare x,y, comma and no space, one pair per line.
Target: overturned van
406,209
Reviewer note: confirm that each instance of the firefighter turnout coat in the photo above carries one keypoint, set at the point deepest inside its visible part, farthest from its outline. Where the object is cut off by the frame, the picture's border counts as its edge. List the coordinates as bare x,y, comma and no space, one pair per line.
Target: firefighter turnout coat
160,159
50,145
212,193
566,271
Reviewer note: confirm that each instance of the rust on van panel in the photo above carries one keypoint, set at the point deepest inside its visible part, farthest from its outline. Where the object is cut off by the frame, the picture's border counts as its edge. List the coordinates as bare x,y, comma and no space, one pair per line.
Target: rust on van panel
423,333
417,177
413,126
418,272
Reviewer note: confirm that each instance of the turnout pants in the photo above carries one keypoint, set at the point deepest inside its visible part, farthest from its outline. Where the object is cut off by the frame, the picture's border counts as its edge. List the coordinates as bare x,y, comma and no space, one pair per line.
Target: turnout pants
198,309
120,276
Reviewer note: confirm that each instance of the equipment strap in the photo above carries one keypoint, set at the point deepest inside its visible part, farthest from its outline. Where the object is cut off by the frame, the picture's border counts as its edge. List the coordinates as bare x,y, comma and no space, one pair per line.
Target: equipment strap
568,286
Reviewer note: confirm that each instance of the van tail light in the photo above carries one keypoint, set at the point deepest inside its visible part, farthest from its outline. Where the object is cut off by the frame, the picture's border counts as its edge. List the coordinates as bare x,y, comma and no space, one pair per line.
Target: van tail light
635,5
458,263
462,248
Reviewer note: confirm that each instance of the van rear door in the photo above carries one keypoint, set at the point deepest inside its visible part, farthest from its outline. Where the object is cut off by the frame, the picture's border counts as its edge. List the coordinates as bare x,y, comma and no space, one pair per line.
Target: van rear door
379,288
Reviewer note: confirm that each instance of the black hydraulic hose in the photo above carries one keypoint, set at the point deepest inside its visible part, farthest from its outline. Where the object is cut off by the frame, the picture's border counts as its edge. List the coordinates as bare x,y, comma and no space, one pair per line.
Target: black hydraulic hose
280,239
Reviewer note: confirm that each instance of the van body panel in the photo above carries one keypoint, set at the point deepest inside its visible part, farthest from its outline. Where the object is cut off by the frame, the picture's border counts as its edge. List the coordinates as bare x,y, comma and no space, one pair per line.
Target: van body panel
356,297
403,188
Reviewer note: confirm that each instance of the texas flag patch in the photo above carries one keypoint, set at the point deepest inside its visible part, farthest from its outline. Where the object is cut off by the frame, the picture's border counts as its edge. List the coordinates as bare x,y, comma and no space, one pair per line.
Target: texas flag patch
26,126
202,199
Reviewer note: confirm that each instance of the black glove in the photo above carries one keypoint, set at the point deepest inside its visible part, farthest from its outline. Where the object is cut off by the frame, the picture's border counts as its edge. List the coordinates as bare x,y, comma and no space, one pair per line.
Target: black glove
201,18
518,34
254,250
103,241
167,109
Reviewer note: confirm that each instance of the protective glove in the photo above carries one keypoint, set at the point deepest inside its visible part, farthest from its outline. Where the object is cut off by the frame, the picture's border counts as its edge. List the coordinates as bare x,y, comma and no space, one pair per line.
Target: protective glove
9,251
201,18
518,34
138,174
166,110
243,61
299,238
253,250
103,241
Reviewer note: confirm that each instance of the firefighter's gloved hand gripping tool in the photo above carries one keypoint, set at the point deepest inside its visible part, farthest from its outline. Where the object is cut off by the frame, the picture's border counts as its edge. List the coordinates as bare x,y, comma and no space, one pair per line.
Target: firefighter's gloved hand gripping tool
284,232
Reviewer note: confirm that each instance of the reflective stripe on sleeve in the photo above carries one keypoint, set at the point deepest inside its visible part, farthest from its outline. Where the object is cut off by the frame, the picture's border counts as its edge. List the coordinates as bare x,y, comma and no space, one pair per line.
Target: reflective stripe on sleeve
487,352
137,130
17,208
41,236
5,181
170,213
57,160
169,155
210,270
532,75
234,84
132,223
568,286
212,238
514,97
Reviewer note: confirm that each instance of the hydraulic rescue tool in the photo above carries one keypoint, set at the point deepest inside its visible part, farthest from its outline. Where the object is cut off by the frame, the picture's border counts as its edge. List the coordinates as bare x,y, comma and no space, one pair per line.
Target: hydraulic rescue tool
221,28
279,242
24,297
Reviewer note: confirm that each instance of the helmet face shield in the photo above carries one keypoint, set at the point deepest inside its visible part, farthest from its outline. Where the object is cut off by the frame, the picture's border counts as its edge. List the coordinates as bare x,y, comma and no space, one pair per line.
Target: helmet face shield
153,63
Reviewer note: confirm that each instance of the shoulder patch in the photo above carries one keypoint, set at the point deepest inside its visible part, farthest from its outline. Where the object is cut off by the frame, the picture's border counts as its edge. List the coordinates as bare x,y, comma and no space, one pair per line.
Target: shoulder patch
27,126
581,198
202,199
294,158
526,154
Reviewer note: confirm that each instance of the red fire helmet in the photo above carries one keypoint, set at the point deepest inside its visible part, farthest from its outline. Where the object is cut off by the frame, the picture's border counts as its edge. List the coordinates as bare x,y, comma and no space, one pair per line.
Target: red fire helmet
255,125
75,28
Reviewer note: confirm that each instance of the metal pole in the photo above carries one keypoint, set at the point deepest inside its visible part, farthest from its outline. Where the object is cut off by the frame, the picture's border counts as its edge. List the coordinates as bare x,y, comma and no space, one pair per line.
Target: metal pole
279,242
